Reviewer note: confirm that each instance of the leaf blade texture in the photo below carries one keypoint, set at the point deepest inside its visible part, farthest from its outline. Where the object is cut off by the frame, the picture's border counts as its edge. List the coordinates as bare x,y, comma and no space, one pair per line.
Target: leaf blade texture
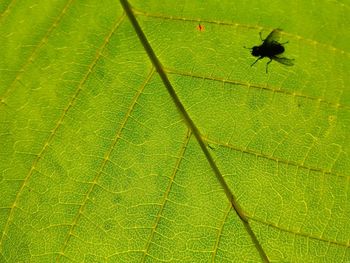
98,164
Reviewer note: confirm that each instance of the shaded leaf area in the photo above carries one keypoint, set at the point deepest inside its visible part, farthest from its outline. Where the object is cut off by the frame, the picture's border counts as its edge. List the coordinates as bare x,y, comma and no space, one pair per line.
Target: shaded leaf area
97,164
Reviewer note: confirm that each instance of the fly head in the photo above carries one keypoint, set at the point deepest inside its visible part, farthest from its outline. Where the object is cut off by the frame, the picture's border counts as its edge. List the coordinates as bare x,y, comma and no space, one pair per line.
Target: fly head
256,51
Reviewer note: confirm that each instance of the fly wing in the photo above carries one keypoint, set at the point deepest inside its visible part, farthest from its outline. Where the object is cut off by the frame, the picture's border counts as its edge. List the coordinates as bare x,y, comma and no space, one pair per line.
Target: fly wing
274,36
284,61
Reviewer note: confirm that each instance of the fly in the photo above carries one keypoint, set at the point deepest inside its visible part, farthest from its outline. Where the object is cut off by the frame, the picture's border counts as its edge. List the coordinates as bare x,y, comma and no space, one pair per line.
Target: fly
271,49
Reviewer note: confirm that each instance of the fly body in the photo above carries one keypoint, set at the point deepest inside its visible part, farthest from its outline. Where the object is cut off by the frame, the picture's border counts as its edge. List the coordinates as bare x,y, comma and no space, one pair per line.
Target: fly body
271,49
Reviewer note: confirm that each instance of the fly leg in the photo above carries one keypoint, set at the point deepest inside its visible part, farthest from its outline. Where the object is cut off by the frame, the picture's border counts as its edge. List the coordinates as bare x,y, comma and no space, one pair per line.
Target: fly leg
268,64
256,61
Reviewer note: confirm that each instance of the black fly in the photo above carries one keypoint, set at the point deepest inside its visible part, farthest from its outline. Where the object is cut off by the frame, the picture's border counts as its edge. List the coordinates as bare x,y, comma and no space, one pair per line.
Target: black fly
271,48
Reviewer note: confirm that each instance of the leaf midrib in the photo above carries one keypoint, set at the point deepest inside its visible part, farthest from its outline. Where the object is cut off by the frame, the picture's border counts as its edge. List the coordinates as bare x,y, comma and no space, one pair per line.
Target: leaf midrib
191,125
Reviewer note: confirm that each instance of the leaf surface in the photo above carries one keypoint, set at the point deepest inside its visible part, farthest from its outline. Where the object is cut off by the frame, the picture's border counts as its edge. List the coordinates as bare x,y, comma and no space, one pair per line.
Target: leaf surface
107,156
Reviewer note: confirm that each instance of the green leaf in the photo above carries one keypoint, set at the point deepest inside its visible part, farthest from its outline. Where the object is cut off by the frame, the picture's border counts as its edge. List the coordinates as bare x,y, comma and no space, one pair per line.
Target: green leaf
134,135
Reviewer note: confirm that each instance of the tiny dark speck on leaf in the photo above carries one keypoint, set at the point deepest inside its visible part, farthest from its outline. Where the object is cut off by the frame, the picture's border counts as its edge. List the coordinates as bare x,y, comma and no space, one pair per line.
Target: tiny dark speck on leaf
200,27
211,147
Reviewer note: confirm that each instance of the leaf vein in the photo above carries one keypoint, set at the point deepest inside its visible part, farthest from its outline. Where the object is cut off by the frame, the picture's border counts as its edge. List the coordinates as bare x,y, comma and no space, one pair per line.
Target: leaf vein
166,194
36,49
214,252
108,153
255,86
235,24
7,10
298,233
271,158
54,131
